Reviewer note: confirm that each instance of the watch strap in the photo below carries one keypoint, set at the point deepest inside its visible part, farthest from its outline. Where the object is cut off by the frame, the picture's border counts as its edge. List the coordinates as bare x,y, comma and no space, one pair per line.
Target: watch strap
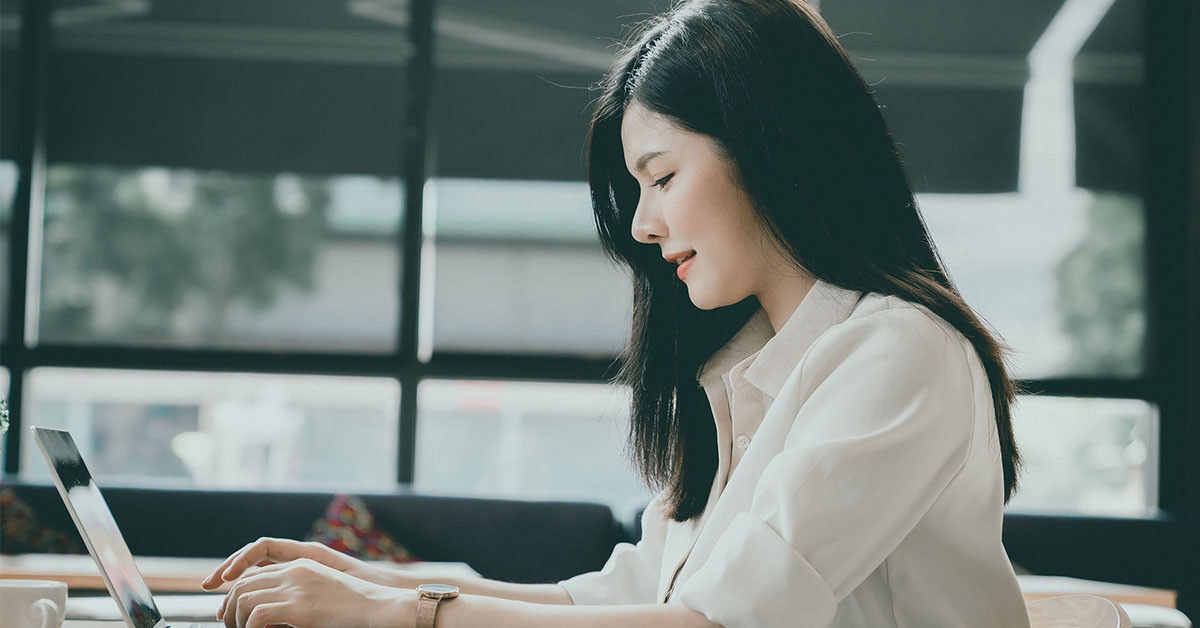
426,611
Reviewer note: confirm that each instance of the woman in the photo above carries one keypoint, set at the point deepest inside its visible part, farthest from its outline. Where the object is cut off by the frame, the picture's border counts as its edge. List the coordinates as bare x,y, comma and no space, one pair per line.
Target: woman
826,419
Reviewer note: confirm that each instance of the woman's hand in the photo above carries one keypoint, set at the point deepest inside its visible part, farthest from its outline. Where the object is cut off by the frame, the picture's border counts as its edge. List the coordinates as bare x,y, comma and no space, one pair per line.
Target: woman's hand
269,551
303,592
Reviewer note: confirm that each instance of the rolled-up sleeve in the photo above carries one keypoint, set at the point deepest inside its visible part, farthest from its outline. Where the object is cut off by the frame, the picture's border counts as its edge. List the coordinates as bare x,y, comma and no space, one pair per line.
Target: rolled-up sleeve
884,407
630,576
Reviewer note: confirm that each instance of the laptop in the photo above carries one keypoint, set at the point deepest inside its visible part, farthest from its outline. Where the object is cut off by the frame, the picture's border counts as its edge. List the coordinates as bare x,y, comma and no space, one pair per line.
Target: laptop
99,531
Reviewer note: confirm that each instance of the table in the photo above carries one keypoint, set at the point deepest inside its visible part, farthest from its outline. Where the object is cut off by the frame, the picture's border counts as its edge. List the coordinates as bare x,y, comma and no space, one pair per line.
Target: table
166,574
1041,587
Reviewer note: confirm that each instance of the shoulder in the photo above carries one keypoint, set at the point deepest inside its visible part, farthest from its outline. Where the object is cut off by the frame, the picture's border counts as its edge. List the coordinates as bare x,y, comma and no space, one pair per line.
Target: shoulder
890,363
886,335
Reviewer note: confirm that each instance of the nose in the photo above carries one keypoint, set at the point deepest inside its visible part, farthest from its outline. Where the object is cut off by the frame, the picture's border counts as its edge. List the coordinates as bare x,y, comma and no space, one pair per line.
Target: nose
648,226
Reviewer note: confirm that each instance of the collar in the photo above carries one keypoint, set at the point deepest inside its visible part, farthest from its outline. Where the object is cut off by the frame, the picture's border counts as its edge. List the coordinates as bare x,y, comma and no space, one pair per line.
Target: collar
824,306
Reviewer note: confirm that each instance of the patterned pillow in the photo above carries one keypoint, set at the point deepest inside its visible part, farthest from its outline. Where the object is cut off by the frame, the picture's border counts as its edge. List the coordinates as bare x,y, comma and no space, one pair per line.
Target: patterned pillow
349,527
22,533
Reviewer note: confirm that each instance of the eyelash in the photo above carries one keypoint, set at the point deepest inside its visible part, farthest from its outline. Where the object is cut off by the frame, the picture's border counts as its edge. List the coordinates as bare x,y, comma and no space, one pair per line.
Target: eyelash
663,181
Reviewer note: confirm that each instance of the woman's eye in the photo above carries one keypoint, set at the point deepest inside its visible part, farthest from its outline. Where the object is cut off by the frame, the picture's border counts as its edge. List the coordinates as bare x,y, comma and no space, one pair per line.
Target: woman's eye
663,181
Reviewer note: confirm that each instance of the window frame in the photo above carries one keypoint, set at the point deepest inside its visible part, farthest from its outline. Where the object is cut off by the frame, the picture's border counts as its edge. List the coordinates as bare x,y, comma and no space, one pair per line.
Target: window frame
1157,550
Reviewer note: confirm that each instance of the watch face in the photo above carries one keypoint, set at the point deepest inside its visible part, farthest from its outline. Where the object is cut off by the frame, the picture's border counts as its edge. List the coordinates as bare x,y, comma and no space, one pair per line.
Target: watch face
438,590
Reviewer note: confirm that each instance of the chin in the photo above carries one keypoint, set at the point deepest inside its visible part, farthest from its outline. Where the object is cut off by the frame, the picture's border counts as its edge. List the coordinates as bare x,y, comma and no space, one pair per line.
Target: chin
707,301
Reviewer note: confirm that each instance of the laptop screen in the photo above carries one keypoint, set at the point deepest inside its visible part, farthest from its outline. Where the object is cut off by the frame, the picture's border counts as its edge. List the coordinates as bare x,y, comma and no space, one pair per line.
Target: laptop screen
98,528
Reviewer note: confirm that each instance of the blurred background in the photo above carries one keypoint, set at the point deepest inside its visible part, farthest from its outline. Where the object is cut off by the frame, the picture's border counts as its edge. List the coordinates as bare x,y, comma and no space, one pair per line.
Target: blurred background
347,245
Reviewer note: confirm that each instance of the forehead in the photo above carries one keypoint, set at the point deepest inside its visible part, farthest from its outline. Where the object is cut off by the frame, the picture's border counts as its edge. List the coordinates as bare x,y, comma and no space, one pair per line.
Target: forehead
644,131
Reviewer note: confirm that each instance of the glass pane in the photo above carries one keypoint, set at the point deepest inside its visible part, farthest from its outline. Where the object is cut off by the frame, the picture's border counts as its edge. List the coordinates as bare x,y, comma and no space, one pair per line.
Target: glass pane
224,174
517,264
518,268
5,382
512,90
1068,295
206,258
526,440
1025,144
10,84
223,430
8,190
1087,456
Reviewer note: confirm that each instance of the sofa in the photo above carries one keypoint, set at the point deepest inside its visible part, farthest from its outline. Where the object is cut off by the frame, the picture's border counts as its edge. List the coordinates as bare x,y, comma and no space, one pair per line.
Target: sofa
530,541
512,540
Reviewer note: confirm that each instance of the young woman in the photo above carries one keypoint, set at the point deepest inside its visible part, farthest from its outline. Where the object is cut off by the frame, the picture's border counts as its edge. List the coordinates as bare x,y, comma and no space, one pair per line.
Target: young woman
826,419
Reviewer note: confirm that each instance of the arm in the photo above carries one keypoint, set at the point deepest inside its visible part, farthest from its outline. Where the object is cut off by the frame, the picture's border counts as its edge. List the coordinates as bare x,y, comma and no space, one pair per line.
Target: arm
473,611
270,551
629,577
304,592
545,594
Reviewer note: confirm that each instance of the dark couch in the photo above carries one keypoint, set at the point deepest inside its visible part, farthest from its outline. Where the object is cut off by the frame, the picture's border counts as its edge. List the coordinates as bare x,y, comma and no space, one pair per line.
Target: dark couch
516,541
524,541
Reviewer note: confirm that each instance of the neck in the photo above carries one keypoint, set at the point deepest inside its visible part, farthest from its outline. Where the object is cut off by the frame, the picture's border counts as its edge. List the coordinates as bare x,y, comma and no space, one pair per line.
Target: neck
783,296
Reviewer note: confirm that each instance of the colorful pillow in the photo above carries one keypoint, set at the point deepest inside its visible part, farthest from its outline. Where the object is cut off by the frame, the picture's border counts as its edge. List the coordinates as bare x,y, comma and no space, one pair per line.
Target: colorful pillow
349,527
22,533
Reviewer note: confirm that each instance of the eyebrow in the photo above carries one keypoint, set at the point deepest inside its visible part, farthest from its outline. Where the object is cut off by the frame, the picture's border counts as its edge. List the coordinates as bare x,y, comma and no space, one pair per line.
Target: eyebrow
644,159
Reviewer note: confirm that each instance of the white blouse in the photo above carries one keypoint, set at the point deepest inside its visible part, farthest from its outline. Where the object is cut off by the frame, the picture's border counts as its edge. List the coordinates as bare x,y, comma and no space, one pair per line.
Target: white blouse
859,482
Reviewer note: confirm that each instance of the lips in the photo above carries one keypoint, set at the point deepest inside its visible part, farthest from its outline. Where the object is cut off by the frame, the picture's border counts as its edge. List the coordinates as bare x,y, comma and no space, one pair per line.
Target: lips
684,264
678,258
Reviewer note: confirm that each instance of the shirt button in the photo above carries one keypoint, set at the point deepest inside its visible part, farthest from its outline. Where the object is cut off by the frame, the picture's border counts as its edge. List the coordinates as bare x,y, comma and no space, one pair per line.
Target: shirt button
742,441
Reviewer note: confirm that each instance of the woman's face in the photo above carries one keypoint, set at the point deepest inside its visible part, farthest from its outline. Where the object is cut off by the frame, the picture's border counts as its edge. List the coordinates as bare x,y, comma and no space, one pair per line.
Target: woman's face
697,213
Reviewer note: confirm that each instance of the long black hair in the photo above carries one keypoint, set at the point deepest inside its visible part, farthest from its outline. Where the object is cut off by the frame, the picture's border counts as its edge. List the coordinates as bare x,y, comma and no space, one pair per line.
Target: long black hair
768,81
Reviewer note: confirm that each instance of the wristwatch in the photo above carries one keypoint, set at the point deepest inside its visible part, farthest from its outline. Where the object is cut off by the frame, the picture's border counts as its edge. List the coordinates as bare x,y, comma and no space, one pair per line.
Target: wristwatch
428,598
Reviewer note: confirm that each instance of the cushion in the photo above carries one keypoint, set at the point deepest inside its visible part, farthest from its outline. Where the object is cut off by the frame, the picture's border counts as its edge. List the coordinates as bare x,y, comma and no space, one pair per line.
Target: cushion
22,533
349,527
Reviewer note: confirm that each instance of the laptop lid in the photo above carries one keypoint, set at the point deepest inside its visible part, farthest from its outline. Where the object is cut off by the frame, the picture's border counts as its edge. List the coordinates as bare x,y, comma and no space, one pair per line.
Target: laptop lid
98,528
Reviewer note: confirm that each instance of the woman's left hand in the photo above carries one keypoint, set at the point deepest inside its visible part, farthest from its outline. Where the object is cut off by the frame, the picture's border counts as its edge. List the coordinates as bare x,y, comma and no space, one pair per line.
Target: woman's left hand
305,593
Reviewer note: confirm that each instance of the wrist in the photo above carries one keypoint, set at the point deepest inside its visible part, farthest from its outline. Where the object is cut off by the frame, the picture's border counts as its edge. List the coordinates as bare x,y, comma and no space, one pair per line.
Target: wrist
400,579
383,576
399,608
430,598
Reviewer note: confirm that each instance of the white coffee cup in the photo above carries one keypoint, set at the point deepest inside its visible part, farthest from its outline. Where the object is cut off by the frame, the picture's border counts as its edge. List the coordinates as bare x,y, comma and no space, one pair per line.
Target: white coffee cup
32,603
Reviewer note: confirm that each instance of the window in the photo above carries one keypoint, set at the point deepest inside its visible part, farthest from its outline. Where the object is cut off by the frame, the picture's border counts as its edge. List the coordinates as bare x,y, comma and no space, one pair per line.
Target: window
8,191
518,439
220,430
508,259
365,224
181,257
1024,148
223,177
229,237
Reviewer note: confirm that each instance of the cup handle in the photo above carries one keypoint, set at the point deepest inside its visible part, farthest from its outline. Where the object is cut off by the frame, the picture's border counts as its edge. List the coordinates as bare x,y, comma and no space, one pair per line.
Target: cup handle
49,611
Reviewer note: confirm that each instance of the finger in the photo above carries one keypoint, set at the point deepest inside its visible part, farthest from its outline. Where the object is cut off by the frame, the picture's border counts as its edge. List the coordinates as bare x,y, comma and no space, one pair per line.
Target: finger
252,600
214,578
261,552
270,614
249,584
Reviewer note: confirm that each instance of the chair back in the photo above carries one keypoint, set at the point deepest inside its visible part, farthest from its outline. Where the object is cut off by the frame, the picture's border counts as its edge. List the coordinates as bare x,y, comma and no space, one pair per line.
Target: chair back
1076,611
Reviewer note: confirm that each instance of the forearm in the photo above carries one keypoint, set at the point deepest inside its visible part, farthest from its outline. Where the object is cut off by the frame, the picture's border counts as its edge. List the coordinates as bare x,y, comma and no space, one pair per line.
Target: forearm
471,611
551,594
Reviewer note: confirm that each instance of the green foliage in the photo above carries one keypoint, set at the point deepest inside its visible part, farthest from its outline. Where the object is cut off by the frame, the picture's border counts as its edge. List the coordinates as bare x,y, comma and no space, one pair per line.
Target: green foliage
153,254
1102,290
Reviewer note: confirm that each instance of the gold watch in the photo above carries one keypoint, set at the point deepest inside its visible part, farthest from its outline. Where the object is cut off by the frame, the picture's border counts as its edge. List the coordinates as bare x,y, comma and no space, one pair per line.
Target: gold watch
428,598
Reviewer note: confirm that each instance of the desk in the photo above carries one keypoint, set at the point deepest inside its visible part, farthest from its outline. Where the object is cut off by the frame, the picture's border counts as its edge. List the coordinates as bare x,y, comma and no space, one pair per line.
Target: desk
1041,587
163,575
166,574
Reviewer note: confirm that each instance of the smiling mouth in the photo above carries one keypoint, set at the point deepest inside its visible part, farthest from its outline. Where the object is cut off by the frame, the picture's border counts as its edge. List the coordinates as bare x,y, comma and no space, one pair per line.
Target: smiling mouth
681,261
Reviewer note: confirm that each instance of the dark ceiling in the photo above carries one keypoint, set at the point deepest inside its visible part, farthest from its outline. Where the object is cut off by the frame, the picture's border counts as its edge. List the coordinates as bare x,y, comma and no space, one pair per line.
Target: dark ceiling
319,85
